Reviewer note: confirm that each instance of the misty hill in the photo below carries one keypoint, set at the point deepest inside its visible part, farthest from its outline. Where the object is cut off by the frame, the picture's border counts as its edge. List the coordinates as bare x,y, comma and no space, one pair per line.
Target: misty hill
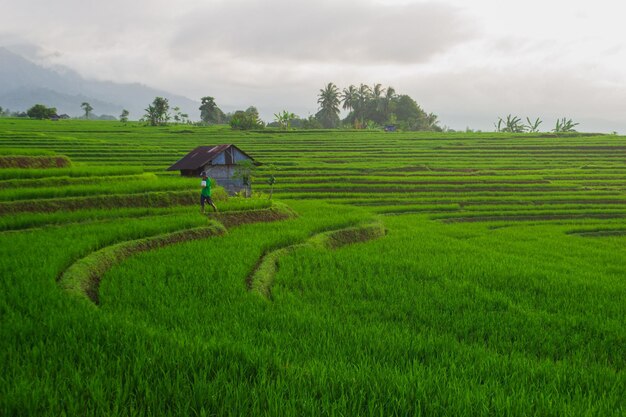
24,83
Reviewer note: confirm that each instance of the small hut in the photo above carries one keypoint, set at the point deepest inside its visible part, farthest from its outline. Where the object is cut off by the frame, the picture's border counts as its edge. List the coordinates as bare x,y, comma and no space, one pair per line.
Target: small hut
218,162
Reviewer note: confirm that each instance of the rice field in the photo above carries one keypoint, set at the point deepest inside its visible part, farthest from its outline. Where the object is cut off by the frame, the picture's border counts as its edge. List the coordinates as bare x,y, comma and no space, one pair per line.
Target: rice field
391,274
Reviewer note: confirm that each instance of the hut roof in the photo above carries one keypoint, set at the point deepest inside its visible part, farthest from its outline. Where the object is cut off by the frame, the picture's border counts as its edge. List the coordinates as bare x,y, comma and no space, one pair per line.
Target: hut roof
201,156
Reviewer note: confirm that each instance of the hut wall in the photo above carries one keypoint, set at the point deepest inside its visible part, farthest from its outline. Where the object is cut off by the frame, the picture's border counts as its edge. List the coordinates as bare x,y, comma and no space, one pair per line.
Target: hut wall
225,172
238,156
223,176
233,186
219,159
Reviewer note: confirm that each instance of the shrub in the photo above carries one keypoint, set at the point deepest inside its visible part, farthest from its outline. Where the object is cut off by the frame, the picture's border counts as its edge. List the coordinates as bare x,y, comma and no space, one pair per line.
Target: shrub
39,111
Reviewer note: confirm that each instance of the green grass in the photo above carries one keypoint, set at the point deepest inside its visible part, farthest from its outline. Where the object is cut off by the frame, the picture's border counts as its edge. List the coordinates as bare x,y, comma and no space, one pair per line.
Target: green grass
9,174
499,287
24,152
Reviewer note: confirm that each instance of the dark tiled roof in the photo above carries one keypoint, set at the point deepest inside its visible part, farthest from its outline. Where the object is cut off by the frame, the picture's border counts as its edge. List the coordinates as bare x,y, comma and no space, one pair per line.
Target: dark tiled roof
201,156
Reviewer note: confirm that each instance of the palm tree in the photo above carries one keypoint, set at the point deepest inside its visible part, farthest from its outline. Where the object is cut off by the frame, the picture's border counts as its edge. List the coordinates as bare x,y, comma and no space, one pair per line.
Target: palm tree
378,91
348,97
377,96
390,94
328,99
363,95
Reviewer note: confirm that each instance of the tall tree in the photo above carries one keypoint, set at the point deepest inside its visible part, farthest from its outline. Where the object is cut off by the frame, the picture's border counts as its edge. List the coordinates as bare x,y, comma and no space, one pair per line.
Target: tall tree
431,122
363,96
246,120
376,108
378,91
348,96
87,108
157,112
177,114
209,112
124,116
387,100
328,99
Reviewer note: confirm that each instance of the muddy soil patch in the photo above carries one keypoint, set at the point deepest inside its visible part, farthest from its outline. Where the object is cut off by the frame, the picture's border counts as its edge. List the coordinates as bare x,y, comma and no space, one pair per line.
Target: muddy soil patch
56,161
238,218
155,199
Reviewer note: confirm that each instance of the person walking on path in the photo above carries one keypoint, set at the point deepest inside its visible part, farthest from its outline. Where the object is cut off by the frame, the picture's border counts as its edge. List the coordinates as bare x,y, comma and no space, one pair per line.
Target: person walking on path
205,196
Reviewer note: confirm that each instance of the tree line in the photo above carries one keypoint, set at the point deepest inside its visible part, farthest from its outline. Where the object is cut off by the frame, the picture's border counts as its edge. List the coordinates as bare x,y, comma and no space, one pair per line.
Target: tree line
41,111
366,107
373,106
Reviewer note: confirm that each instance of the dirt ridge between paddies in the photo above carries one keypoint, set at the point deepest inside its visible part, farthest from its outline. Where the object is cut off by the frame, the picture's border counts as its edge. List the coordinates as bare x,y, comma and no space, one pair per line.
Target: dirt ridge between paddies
82,278
27,161
598,232
150,199
532,217
277,212
261,278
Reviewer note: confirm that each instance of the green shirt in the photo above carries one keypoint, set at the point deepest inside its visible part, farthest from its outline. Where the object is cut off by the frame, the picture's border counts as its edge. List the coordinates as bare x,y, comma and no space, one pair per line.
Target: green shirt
206,191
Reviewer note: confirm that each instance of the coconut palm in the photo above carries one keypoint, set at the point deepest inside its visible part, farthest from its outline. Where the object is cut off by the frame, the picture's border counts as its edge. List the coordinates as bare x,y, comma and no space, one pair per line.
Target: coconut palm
328,99
363,95
390,94
378,91
348,97
378,97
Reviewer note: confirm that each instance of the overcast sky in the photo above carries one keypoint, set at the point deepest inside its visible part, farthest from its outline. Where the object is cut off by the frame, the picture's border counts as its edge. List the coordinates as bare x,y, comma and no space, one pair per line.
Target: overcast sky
469,61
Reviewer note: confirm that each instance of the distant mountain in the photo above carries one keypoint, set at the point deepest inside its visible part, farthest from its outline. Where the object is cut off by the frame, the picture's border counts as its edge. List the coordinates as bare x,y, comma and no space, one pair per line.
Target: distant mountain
24,83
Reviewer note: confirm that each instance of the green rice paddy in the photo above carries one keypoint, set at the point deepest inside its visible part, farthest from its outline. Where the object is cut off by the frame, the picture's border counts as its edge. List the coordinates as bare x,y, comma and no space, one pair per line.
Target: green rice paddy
494,284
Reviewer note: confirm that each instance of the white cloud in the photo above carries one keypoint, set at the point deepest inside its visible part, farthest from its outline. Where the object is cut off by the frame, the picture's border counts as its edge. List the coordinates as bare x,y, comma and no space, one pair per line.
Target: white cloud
322,31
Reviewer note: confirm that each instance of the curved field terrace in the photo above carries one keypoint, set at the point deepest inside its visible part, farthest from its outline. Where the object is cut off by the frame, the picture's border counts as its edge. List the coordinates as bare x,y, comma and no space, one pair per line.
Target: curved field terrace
390,274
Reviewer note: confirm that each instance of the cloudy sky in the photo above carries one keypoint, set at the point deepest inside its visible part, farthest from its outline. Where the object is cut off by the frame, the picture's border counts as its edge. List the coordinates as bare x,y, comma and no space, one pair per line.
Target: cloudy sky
469,61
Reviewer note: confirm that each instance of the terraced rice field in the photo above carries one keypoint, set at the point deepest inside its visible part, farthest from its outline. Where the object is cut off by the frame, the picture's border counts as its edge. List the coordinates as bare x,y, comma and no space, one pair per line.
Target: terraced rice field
391,274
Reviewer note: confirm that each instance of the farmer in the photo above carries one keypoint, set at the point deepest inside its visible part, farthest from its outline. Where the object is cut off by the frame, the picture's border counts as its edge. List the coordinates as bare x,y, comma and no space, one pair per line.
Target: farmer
206,192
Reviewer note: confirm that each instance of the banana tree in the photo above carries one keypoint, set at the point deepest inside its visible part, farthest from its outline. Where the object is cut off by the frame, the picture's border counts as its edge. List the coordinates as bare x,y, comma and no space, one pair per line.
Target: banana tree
564,125
512,124
533,127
